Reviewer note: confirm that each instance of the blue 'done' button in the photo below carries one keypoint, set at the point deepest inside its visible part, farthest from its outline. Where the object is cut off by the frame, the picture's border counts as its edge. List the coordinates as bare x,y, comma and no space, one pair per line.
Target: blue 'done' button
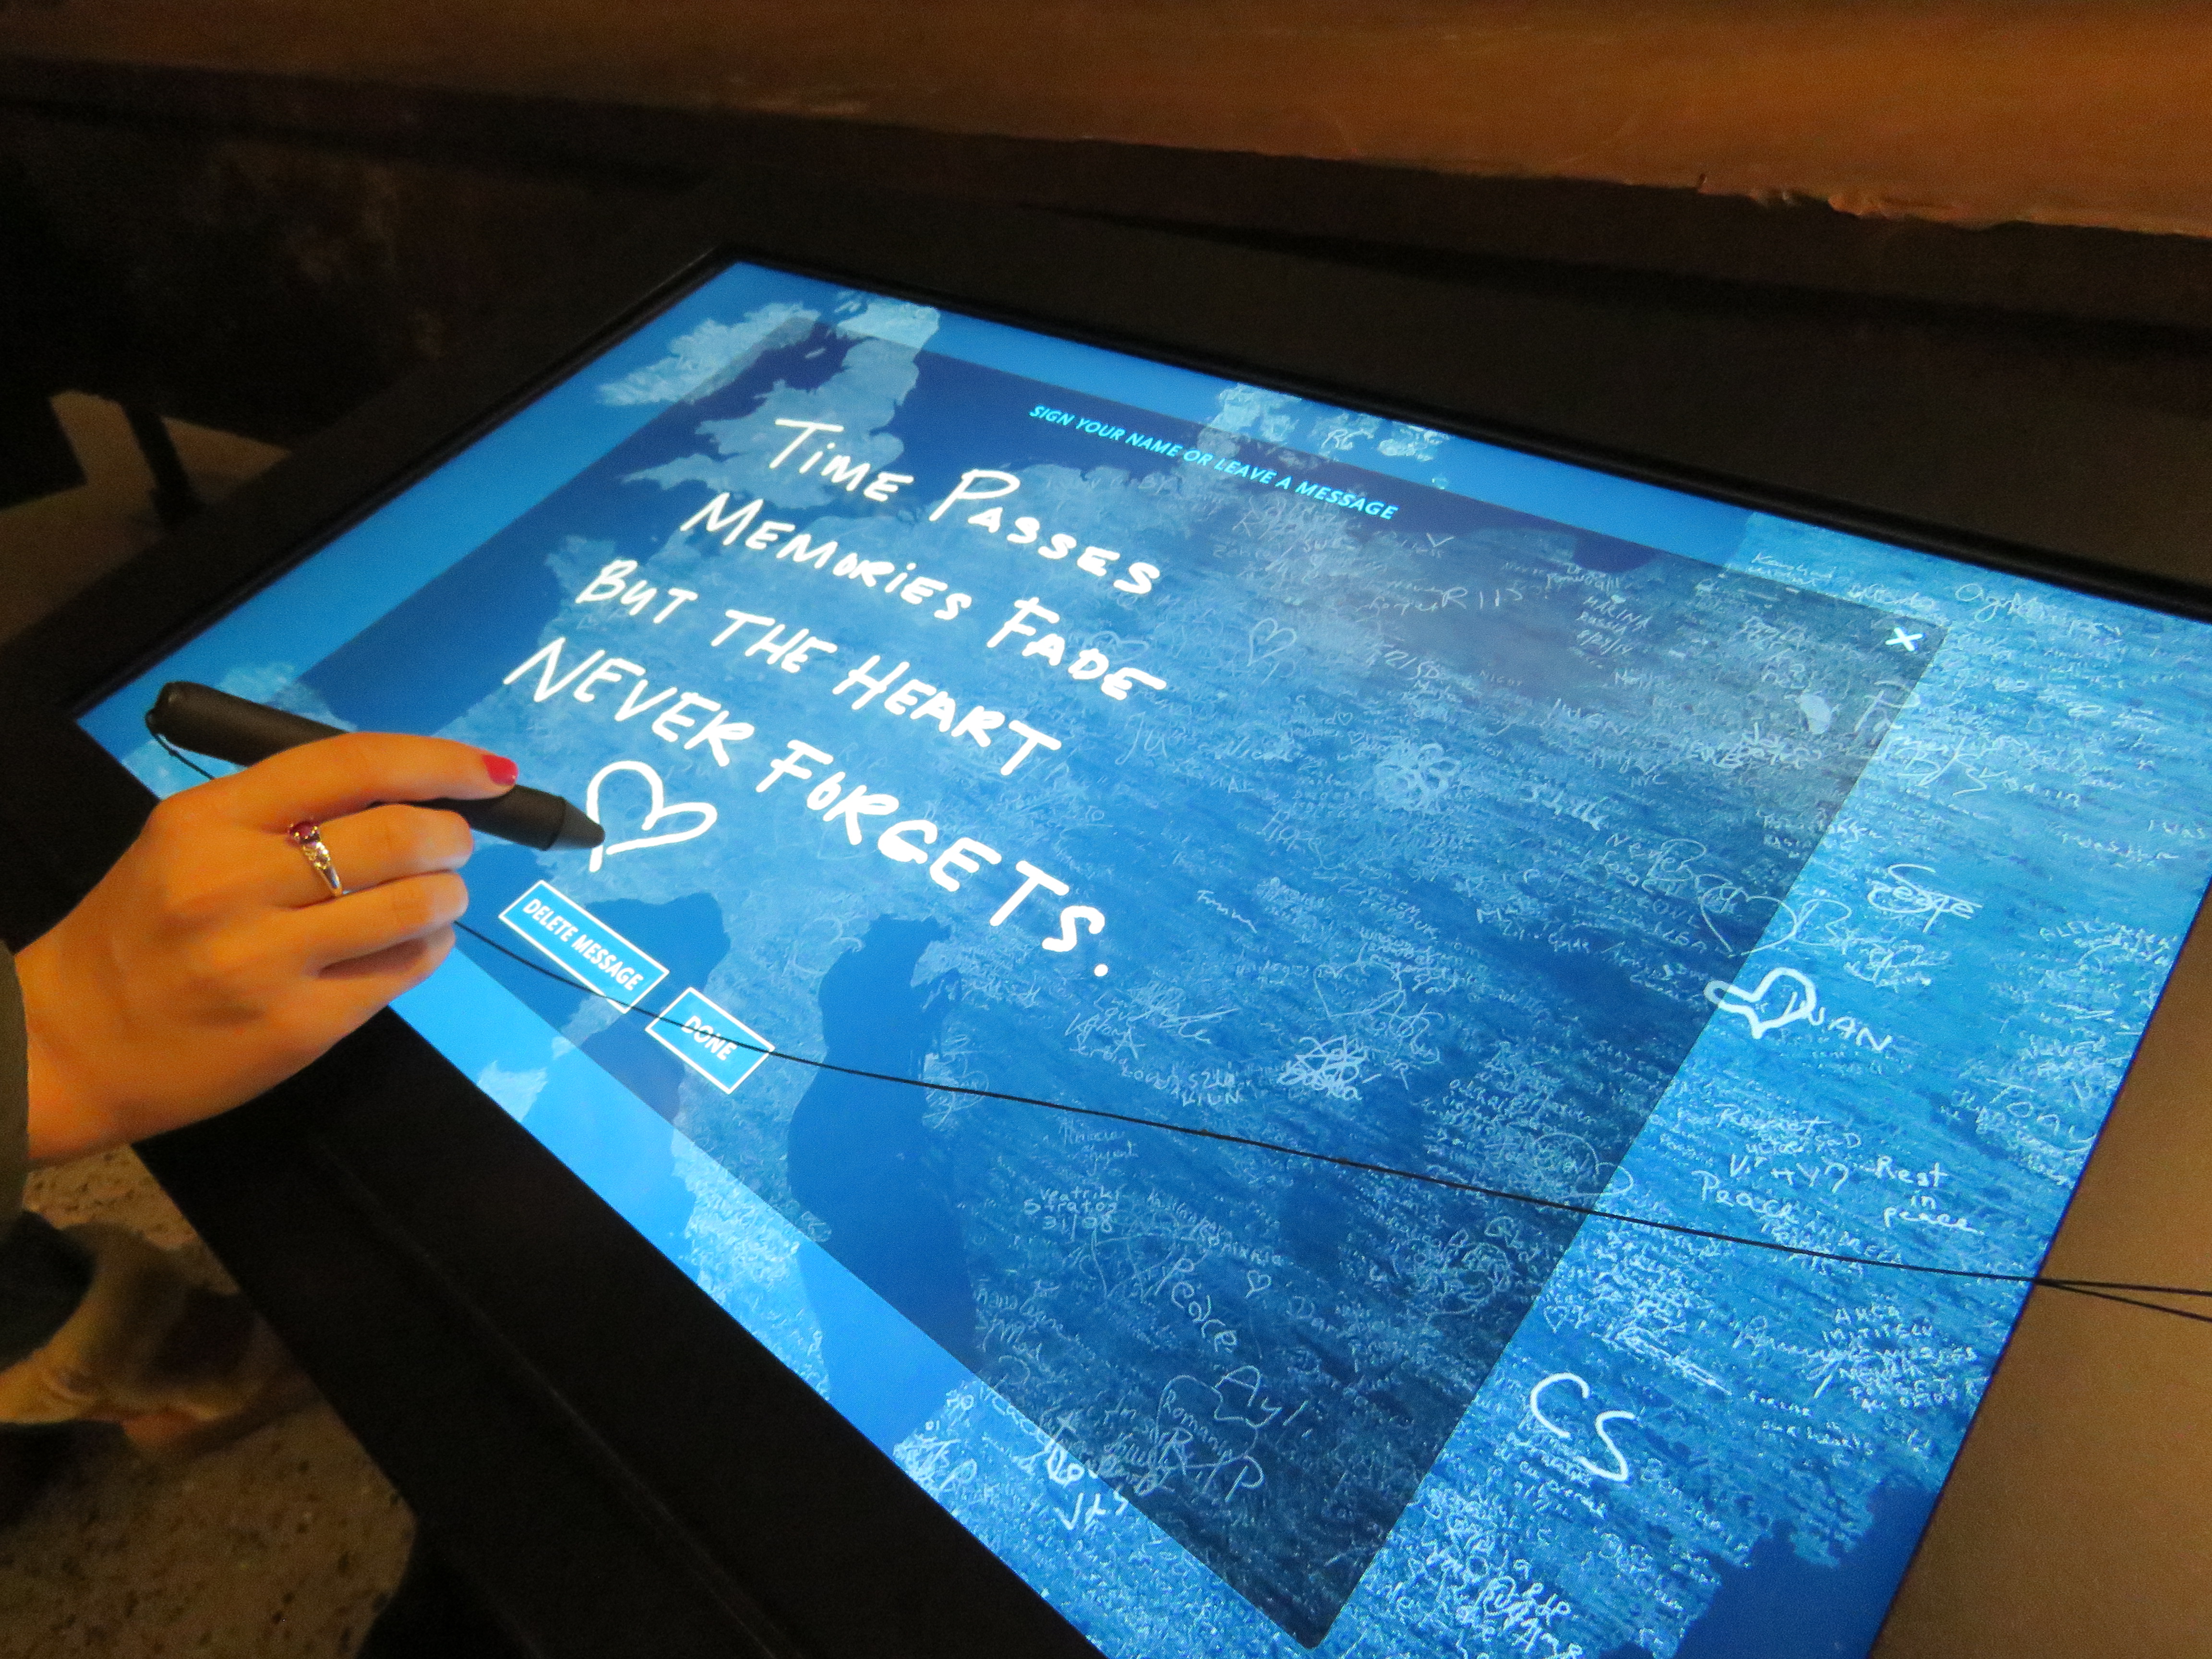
586,949
711,1040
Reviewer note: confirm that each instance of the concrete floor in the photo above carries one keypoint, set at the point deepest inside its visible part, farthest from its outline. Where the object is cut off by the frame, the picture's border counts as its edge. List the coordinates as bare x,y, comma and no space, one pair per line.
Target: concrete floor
287,1543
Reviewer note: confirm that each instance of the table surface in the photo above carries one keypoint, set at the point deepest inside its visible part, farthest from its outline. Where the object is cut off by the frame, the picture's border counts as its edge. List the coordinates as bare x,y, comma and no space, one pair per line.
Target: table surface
2075,1520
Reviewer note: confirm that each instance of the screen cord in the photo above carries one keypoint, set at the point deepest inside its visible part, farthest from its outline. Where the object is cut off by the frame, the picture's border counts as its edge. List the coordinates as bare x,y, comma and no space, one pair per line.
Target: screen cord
2102,1289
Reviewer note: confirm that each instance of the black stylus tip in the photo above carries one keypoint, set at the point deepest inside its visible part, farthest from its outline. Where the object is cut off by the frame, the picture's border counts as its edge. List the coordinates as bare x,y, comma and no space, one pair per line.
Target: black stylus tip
576,829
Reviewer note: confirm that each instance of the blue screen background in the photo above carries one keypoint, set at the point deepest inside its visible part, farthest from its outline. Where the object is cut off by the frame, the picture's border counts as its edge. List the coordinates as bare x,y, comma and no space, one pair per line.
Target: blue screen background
1494,819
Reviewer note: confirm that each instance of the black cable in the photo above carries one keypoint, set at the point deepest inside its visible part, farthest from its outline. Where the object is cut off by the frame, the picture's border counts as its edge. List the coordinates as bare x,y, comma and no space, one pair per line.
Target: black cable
2097,1287
2103,1290
2083,1287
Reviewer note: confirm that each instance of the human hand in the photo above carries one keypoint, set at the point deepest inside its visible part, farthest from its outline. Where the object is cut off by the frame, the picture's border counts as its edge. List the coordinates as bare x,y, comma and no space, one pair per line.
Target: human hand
212,962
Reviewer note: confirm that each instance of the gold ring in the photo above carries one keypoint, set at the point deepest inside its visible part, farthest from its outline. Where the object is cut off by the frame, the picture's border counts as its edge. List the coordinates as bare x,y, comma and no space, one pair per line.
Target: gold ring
308,835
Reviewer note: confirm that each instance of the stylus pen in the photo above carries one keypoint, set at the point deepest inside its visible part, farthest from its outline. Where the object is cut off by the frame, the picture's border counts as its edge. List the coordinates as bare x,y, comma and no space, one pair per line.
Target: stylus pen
211,722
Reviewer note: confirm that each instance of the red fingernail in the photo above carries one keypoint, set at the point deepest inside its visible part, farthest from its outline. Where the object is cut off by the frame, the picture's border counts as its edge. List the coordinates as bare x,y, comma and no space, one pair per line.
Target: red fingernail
501,771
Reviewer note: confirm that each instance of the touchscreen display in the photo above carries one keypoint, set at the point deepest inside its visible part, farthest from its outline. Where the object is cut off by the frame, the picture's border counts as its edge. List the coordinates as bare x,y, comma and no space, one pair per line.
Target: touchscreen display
1259,874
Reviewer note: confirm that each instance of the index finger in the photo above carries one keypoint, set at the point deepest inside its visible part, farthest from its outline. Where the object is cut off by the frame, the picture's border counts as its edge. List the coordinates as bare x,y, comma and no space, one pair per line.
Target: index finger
333,777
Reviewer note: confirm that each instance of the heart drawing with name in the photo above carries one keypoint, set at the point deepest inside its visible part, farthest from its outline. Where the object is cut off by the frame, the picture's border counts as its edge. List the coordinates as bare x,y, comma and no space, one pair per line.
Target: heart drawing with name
1801,1000
661,808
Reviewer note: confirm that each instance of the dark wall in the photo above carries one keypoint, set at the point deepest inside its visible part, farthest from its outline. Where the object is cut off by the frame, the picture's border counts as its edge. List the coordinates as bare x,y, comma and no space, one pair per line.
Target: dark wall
262,253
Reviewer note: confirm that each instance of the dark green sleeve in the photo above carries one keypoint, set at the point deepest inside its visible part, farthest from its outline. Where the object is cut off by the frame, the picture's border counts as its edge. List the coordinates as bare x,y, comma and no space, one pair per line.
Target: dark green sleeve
43,1274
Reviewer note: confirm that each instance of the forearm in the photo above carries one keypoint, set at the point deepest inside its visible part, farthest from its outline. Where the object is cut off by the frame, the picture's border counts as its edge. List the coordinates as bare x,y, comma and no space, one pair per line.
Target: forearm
43,1275
73,1108
64,1121
65,1111
15,1094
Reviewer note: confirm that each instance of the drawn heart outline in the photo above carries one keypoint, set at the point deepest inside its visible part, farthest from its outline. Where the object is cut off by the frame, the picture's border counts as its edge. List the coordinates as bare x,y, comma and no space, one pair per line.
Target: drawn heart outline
661,808
1749,916
1266,631
1803,1000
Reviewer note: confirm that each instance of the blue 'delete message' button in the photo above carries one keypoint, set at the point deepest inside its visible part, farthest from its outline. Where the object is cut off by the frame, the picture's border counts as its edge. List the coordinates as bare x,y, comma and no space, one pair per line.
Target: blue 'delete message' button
587,949
700,1033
